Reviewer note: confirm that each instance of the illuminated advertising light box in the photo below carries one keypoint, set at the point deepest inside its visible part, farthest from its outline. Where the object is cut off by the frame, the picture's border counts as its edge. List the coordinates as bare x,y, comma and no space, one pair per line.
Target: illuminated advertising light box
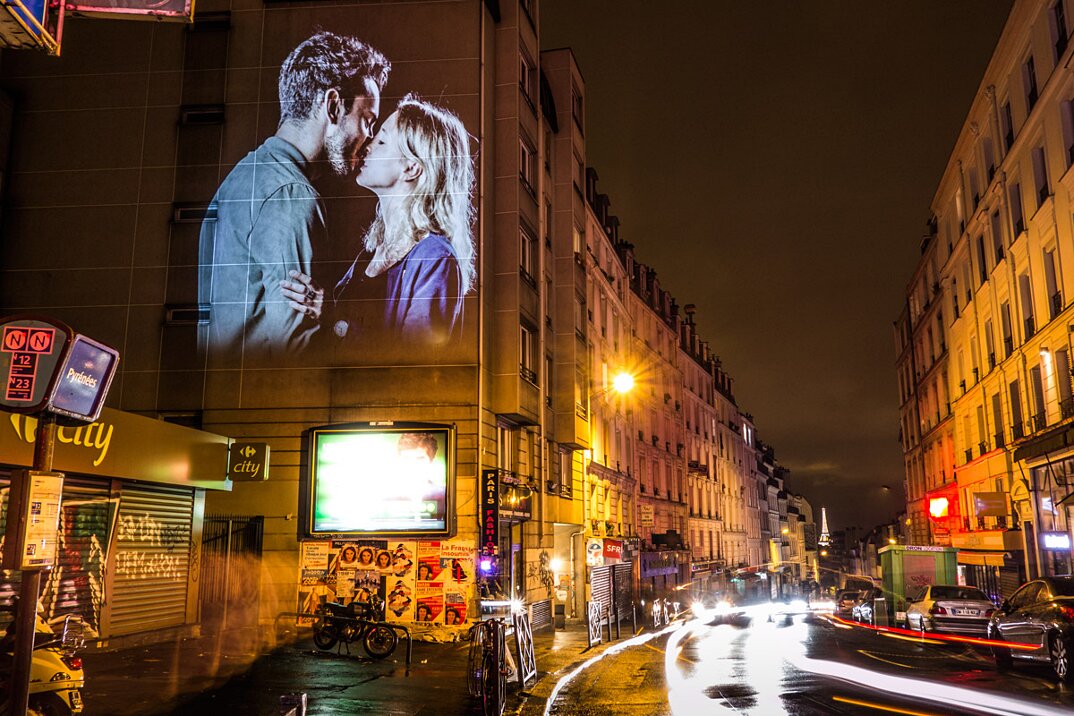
373,480
1056,540
180,10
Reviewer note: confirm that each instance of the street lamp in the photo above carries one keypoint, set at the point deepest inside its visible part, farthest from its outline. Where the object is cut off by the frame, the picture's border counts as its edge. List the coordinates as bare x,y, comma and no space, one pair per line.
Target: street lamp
623,382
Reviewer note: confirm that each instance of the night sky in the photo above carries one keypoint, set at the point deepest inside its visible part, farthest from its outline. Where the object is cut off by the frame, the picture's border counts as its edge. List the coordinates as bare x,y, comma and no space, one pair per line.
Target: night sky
775,162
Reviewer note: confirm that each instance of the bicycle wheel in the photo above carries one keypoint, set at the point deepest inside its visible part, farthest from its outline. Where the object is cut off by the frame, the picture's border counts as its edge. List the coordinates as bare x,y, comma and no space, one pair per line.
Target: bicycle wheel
473,662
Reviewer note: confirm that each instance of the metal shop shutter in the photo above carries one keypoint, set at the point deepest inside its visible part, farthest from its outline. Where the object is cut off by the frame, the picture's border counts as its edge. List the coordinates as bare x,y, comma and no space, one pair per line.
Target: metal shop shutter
76,584
600,583
152,564
624,589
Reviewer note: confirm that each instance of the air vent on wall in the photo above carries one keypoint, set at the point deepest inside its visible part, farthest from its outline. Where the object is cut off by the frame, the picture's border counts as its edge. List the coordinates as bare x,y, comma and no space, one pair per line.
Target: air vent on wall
199,114
193,213
187,314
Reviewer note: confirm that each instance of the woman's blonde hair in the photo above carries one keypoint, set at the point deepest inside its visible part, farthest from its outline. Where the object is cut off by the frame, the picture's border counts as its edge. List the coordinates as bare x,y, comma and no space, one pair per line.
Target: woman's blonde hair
440,203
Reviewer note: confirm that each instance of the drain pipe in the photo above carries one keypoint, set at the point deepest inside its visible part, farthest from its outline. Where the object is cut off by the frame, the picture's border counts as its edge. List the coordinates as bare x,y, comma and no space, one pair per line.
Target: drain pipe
574,577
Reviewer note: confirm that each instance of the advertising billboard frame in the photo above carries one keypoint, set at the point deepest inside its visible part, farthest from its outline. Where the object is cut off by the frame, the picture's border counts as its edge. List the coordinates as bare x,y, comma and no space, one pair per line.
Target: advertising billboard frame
309,484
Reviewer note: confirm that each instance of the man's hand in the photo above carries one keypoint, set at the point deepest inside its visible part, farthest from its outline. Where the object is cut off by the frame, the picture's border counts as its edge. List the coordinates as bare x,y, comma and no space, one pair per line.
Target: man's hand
302,295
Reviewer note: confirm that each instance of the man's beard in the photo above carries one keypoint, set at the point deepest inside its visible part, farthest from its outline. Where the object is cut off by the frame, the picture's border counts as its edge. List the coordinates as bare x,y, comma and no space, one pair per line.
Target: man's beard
336,151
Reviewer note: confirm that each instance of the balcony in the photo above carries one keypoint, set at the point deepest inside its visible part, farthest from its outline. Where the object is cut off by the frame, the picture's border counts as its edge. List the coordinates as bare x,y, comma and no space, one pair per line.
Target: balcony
969,455
1008,346
1000,442
1030,327
1057,303
991,360
1040,421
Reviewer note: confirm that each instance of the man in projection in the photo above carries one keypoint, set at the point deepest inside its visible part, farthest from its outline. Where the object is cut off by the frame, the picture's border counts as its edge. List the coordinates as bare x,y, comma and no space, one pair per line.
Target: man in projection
269,216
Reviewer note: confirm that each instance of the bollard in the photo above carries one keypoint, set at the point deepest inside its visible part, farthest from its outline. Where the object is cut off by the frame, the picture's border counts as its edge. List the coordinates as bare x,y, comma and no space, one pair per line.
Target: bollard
293,704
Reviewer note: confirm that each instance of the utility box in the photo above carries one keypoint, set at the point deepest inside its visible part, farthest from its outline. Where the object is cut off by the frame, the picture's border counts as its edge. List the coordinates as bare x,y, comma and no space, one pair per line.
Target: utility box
907,568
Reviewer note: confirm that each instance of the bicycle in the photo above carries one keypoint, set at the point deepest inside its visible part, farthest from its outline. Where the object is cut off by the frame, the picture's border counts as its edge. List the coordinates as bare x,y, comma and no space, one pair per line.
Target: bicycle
486,677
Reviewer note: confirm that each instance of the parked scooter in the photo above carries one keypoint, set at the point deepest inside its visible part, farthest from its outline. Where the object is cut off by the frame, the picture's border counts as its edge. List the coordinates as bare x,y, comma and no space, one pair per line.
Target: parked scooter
55,671
357,621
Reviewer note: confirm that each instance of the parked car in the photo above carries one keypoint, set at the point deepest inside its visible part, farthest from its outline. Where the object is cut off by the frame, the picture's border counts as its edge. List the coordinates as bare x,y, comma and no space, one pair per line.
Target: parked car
844,601
862,610
1040,615
950,608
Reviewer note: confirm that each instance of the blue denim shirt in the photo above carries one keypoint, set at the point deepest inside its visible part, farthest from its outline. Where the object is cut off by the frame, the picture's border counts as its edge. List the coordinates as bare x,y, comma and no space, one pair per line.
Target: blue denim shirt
268,218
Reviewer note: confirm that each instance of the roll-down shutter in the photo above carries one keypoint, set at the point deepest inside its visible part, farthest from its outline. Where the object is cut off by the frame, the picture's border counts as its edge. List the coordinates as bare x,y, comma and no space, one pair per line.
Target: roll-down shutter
623,575
600,583
152,559
75,585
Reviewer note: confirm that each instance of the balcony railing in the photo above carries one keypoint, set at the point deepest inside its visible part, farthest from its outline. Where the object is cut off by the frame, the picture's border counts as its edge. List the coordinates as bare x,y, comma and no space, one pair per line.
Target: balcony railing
1066,408
1040,421
1030,327
1057,303
991,360
1000,442
1017,431
1008,346
969,455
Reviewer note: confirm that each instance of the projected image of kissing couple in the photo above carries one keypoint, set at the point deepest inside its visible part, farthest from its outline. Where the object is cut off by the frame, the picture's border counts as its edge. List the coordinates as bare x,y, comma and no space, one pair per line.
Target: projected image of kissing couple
414,264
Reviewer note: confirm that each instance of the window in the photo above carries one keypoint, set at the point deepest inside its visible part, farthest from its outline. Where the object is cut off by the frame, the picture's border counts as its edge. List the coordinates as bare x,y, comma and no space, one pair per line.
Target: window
527,163
990,344
989,155
1025,292
1062,373
982,261
577,108
975,192
1066,117
1035,379
578,239
997,419
1055,298
1005,324
579,174
1016,211
527,77
1029,83
1017,427
549,145
1040,175
528,353
527,255
1057,25
548,216
1006,121
997,236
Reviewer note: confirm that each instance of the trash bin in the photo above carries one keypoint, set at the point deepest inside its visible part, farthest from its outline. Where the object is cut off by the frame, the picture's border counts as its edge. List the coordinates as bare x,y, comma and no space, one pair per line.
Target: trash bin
560,616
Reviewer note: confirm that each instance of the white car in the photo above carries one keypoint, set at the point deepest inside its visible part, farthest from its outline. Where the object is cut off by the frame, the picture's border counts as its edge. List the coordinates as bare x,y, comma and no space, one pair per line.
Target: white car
952,609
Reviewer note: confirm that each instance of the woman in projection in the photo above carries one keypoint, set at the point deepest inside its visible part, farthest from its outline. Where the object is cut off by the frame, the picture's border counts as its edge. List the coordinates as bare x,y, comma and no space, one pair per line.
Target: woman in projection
417,261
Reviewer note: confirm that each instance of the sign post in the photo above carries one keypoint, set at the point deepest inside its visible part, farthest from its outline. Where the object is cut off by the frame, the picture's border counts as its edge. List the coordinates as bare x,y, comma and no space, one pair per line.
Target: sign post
45,370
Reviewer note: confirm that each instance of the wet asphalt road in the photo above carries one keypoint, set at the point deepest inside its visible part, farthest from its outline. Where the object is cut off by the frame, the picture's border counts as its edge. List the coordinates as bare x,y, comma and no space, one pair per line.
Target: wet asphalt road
804,665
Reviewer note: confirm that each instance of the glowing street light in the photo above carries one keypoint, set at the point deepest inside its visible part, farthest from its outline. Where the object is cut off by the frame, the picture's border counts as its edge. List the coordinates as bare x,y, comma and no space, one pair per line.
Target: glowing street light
623,382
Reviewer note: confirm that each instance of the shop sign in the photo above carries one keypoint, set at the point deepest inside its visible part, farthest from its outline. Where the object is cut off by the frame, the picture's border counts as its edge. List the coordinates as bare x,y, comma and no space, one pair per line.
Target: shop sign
515,504
645,513
248,462
1056,540
613,550
489,513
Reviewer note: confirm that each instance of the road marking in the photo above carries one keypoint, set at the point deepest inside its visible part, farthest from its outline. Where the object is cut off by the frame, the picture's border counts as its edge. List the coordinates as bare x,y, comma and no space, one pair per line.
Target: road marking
886,661
879,707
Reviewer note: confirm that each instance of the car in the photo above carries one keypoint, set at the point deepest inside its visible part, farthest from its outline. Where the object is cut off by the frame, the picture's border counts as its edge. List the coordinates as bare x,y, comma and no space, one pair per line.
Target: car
1040,616
844,601
950,608
862,610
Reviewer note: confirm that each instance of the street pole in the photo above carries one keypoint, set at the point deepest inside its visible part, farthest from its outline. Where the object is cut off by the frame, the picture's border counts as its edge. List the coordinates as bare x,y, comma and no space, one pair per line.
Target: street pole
30,588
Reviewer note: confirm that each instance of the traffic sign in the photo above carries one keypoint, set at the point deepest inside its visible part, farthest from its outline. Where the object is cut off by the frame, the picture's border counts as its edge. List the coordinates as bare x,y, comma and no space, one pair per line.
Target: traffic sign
30,350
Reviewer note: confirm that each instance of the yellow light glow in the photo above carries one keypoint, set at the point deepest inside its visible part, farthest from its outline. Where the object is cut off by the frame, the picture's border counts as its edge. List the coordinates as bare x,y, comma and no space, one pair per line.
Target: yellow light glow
556,564
824,553
891,540
938,506
623,382
785,530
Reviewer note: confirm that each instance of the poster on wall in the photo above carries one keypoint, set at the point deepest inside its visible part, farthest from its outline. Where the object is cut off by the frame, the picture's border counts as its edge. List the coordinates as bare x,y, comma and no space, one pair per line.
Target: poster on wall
429,581
345,233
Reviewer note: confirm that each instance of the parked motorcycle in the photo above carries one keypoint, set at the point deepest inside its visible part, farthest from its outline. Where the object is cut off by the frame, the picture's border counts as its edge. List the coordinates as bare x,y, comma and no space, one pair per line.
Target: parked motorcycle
55,671
357,621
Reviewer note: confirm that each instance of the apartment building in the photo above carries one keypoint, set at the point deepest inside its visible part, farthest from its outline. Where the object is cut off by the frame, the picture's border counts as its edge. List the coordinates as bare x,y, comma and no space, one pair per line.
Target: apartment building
989,306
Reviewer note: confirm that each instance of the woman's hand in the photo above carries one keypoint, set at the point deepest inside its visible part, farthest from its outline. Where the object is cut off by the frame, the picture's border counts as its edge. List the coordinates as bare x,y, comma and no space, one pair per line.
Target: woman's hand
303,295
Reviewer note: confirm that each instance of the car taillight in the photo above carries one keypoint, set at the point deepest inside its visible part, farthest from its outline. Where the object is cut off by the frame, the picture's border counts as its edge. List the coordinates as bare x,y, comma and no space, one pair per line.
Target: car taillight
1067,612
73,662
937,609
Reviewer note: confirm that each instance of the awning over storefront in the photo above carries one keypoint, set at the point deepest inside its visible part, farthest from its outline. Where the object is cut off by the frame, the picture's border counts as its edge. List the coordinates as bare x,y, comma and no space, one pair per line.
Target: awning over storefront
991,559
124,445
1058,440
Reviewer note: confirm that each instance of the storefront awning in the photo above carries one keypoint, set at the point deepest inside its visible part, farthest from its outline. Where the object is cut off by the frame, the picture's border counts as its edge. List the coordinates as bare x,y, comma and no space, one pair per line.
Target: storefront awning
990,559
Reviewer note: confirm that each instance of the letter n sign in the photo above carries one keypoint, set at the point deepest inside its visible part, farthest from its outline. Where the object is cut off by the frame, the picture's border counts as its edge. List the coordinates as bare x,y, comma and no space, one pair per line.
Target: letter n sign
489,512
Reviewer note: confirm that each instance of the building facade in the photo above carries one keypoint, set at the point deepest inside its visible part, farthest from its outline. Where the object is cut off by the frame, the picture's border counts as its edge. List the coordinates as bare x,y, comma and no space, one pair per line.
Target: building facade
987,320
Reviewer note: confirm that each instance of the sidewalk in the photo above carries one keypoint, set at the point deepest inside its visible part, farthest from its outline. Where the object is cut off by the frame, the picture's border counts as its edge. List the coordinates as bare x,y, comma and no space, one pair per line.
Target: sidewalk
225,675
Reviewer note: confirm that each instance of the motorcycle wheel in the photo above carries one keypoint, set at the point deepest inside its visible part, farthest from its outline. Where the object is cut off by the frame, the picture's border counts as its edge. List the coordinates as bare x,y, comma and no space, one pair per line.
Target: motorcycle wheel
43,706
324,635
380,641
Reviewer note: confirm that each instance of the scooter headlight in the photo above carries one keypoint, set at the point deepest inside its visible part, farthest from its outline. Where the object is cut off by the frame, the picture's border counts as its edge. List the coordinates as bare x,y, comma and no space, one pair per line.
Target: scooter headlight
60,676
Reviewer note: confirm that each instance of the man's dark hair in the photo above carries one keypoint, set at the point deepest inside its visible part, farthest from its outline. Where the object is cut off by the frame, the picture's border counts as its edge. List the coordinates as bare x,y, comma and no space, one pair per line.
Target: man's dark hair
328,61
417,441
